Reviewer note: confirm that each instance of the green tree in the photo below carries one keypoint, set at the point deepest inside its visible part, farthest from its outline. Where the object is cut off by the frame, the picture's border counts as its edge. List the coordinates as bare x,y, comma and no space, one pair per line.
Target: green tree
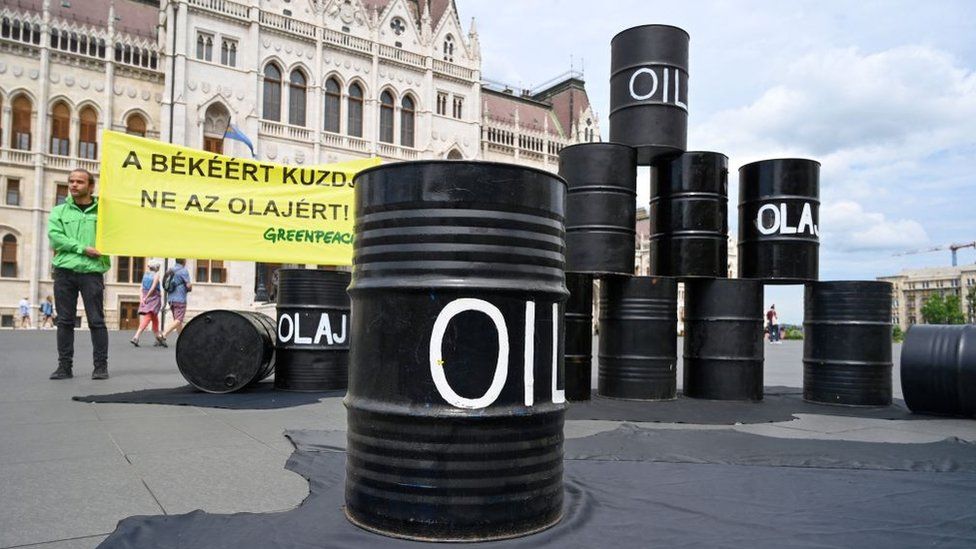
938,309
897,334
954,310
971,304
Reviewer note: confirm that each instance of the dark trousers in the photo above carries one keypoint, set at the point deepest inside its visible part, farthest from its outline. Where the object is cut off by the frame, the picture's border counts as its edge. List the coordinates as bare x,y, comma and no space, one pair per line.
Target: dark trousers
91,286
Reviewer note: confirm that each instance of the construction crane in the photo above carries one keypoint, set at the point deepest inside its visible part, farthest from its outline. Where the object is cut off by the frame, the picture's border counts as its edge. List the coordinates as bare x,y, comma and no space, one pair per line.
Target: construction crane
951,247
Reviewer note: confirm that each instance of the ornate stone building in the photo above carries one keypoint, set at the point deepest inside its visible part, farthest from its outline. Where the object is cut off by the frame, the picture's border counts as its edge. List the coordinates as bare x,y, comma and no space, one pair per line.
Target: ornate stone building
309,81
912,287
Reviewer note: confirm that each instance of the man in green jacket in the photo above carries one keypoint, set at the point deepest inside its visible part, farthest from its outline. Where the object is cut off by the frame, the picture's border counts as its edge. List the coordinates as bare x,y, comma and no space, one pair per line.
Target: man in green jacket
78,268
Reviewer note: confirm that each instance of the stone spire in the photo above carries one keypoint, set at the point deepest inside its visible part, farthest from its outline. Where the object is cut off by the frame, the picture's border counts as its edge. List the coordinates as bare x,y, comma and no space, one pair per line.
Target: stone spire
473,41
425,27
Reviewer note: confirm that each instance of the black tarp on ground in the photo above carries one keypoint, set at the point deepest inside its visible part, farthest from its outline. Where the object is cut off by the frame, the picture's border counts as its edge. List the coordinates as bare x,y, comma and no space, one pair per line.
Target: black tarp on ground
778,404
612,503
261,396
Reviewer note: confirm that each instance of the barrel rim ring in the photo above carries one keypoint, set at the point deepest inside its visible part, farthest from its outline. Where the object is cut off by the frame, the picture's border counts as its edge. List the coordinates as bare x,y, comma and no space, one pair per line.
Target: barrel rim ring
788,158
596,144
470,163
650,25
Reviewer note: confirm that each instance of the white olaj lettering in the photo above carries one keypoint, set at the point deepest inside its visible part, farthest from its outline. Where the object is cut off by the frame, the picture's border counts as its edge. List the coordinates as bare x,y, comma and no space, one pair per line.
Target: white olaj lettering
341,339
324,329
558,395
779,220
291,328
298,336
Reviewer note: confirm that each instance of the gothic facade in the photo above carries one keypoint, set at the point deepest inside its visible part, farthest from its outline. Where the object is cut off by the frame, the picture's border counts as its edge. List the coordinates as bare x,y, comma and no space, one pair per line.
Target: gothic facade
309,81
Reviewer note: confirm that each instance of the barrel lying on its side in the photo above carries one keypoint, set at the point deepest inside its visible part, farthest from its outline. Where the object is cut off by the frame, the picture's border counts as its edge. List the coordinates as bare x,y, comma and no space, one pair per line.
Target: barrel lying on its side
579,336
938,370
847,343
456,399
222,351
723,343
638,338
313,330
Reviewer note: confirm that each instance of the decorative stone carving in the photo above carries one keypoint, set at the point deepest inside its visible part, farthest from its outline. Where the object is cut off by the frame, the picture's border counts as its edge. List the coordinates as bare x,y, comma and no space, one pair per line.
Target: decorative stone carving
55,78
18,71
3,68
266,43
34,74
288,48
117,88
84,83
300,157
191,85
240,95
205,87
271,151
146,95
99,87
69,80
131,92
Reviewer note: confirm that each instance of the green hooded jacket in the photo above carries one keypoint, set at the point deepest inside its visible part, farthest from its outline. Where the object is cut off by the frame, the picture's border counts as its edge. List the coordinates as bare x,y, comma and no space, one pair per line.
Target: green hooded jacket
71,230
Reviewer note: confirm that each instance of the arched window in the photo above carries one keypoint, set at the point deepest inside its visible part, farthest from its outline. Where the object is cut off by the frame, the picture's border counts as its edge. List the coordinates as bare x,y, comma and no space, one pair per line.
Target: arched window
455,155
88,133
333,98
135,124
60,129
386,117
407,111
20,134
215,123
297,91
272,93
8,257
449,48
355,111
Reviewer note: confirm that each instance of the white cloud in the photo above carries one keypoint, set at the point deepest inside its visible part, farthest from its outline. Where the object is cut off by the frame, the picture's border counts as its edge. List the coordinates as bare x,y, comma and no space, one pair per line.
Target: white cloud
846,227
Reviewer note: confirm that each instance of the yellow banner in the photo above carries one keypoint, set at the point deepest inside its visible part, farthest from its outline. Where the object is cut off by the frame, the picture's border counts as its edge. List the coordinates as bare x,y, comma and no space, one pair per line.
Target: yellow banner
162,200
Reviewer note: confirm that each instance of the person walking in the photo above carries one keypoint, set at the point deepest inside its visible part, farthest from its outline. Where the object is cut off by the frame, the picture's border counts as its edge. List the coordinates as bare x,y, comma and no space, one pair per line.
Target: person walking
47,313
177,285
24,308
78,269
149,304
773,321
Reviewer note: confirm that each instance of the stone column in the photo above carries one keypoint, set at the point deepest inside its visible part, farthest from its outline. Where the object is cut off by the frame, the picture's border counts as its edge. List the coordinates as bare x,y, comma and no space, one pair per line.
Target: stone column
41,131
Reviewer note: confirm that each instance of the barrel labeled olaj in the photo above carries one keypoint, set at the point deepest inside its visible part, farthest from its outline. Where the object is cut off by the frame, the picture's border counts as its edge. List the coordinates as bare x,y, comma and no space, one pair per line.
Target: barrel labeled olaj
723,343
779,220
456,393
638,338
938,369
649,90
222,351
689,216
847,343
579,336
601,212
313,330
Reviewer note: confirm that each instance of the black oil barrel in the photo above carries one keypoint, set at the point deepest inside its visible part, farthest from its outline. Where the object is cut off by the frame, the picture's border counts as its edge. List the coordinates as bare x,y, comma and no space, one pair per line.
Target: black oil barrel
313,330
222,351
601,212
847,343
579,336
456,393
689,216
638,338
779,220
938,369
723,343
649,90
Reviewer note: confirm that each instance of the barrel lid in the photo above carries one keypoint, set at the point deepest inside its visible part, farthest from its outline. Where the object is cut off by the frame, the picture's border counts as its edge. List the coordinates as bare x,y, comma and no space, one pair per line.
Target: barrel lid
650,25
769,160
472,163
597,143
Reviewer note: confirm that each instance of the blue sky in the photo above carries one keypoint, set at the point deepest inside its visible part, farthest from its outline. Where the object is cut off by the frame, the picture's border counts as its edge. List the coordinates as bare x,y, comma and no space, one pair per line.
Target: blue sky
883,94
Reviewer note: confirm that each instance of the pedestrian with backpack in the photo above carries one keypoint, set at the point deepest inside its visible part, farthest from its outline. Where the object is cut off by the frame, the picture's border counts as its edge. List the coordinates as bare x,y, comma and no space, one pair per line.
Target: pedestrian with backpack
149,304
176,284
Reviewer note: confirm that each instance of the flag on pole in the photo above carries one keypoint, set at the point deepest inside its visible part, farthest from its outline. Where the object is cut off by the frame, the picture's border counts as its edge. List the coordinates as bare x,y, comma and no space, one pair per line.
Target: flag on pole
233,132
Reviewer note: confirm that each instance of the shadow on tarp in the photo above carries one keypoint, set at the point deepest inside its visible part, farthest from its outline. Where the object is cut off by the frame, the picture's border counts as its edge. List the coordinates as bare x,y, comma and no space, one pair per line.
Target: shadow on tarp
778,404
636,503
258,397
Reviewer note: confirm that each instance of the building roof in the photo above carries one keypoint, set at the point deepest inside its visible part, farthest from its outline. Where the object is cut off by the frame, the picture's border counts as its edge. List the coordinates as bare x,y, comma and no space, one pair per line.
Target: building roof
568,99
436,8
137,17
532,115
932,272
